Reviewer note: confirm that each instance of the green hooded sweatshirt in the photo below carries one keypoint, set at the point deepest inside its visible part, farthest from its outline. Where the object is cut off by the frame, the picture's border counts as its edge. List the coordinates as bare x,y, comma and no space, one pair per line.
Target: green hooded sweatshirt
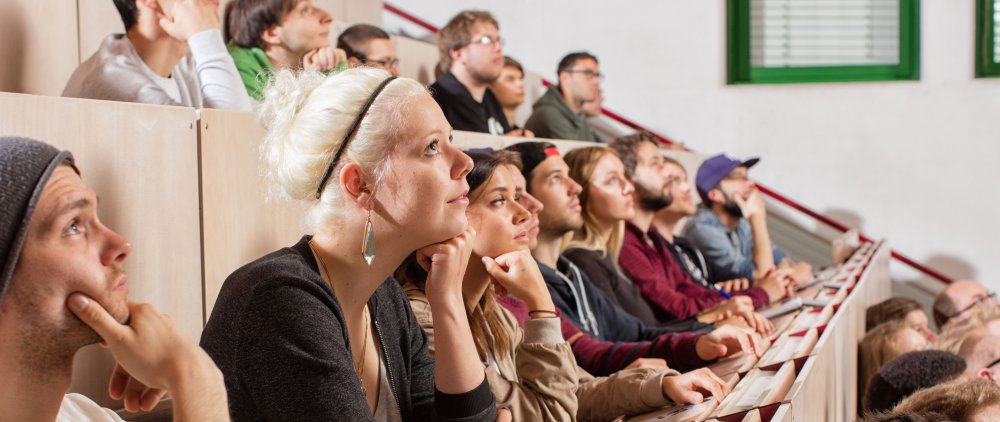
255,69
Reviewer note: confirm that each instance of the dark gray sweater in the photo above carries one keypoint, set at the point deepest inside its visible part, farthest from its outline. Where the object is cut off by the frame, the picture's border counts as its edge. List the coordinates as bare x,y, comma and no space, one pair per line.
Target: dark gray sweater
277,333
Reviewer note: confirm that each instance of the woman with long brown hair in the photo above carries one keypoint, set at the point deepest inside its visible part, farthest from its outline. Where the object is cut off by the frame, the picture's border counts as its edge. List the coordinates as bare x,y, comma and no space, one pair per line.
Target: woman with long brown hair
532,371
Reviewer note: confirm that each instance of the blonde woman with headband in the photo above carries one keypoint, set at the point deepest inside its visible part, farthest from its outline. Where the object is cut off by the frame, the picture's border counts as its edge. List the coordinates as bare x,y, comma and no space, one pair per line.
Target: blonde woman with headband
312,331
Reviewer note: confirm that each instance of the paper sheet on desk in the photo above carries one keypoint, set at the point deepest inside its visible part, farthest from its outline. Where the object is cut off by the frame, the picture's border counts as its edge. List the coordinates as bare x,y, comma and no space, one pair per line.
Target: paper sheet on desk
733,364
805,321
753,395
790,305
782,323
677,413
787,349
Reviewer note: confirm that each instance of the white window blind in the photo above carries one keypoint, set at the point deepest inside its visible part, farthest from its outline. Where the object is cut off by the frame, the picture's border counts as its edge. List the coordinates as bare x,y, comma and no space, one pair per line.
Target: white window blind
996,31
785,33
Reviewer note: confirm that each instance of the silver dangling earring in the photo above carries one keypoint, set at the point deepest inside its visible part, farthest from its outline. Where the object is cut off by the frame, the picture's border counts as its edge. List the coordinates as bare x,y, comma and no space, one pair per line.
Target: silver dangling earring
368,242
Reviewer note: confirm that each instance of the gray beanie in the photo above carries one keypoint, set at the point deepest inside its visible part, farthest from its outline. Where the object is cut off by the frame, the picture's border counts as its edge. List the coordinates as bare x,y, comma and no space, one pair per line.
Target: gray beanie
25,167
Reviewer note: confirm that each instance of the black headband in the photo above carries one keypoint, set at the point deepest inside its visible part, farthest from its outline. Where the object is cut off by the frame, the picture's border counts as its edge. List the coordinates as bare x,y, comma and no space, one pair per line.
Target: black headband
350,133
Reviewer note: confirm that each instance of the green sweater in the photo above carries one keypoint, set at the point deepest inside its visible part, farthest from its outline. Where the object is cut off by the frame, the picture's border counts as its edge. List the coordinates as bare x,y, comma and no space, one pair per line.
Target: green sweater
552,118
255,69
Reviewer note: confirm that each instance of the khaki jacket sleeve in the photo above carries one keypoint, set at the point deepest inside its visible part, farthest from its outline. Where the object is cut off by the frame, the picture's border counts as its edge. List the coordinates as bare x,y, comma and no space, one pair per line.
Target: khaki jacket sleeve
539,382
422,310
626,392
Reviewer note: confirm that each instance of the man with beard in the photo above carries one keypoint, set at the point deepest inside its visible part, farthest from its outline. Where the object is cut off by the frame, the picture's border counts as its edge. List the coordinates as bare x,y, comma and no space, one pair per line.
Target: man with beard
730,227
471,59
667,220
63,286
561,112
612,338
646,258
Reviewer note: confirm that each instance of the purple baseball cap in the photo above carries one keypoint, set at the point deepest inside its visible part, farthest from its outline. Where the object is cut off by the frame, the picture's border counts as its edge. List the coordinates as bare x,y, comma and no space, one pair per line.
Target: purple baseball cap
714,169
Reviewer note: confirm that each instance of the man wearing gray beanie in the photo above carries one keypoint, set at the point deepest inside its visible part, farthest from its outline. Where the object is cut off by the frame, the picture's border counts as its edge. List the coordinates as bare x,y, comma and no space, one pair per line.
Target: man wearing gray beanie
63,286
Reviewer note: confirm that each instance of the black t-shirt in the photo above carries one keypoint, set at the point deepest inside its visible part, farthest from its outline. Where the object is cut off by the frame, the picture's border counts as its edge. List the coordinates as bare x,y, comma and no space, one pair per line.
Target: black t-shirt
465,113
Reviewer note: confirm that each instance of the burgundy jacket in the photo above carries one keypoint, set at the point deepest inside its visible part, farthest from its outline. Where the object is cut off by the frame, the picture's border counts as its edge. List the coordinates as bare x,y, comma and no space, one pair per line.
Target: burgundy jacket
602,358
646,259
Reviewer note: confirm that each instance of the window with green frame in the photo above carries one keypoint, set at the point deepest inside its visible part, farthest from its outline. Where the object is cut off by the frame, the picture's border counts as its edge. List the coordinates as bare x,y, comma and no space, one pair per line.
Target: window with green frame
987,38
788,41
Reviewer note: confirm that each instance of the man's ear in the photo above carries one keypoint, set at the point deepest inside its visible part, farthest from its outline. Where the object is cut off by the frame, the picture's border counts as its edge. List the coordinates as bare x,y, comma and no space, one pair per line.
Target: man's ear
353,62
456,54
563,78
716,196
356,188
152,5
271,36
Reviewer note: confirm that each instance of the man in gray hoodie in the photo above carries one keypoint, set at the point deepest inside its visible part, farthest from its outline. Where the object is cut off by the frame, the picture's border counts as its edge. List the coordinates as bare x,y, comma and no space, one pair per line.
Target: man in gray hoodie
171,53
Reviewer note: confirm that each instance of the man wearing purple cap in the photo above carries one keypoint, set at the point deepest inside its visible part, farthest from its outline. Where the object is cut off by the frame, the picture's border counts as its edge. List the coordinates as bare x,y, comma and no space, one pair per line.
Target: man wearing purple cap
63,286
730,227
645,255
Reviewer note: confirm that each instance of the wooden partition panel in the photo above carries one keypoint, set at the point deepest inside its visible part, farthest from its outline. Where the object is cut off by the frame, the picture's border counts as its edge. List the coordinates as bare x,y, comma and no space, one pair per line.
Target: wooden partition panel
240,223
417,59
355,11
98,19
142,161
39,47
828,383
533,90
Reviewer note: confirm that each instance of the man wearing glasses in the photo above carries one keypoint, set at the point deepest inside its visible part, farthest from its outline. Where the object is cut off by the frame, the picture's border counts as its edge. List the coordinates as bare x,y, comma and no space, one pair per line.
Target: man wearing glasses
471,59
369,46
730,227
560,113
956,301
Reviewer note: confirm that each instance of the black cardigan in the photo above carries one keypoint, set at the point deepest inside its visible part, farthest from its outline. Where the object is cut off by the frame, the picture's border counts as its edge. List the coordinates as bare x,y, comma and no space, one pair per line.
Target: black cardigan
277,333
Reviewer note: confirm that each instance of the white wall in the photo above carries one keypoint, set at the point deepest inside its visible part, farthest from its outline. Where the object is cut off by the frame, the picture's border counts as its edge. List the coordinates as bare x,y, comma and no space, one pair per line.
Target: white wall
913,161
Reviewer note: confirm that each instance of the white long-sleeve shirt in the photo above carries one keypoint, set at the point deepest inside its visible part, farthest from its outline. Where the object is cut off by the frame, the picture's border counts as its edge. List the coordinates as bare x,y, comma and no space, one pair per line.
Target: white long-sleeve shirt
77,408
205,78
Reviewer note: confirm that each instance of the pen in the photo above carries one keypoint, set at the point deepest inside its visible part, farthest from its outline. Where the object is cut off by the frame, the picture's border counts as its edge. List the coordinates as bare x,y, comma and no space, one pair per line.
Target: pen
721,292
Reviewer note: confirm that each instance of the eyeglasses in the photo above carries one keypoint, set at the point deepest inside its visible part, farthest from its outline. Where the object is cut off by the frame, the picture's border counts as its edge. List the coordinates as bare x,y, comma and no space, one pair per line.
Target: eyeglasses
979,300
992,364
590,74
486,40
387,63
